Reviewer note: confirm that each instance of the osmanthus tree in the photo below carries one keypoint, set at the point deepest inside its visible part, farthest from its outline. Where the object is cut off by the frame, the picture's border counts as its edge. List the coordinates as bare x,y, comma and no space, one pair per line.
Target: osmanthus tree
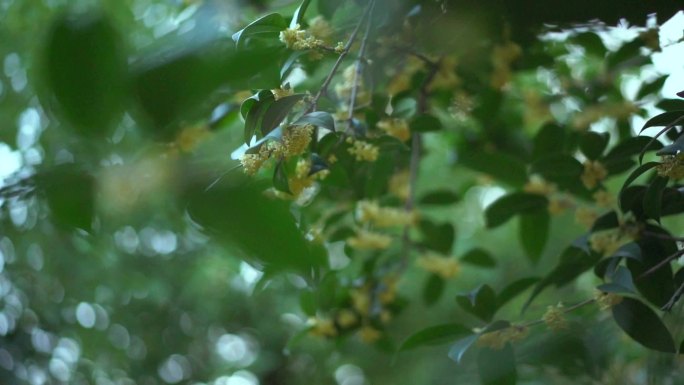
343,107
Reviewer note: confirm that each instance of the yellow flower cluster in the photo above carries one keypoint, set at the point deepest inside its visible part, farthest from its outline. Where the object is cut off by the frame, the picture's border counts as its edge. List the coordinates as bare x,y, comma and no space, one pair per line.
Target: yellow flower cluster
445,267
672,166
301,181
396,127
537,185
189,137
594,173
554,318
399,185
502,57
558,205
402,80
607,242
346,318
606,300
294,142
445,78
498,339
298,39
585,216
363,151
367,240
320,29
370,212
343,90
603,198
322,327
369,334
361,300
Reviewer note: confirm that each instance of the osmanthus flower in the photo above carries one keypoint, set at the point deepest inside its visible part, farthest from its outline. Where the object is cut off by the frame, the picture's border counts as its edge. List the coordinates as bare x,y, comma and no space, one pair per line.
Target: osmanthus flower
604,198
497,339
320,29
594,173
294,142
395,127
296,139
503,57
298,39
363,151
322,327
554,318
585,216
443,266
370,212
369,334
605,301
301,182
445,78
350,80
281,92
190,137
368,240
608,241
671,166
537,185
346,318
558,205
401,81
361,300
399,185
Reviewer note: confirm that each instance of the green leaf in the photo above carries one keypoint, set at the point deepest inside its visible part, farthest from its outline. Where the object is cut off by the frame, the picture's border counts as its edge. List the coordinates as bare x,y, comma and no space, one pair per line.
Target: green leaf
481,302
439,197
280,179
84,67
631,147
534,232
458,349
307,301
560,168
437,237
434,335
238,215
664,119
625,55
266,26
606,221
299,13
671,104
637,173
513,204
592,43
277,111
404,108
497,367
425,123
643,325
253,110
549,141
70,195
515,288
317,118
592,144
514,174
433,290
653,198
653,87
674,148
479,257
327,8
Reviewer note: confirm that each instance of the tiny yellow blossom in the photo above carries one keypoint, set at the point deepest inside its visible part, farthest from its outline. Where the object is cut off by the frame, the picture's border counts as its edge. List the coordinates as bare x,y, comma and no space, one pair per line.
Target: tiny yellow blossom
364,151
399,184
251,163
279,93
607,242
558,206
389,292
502,57
554,318
604,198
322,327
445,78
606,300
396,127
298,39
594,173
498,339
361,300
366,240
320,29
369,334
585,216
189,137
343,90
385,316
445,267
339,48
346,318
672,166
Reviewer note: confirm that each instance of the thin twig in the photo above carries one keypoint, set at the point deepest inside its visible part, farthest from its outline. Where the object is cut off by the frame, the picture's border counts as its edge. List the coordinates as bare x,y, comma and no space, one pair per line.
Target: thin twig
662,263
565,311
326,83
360,61
668,306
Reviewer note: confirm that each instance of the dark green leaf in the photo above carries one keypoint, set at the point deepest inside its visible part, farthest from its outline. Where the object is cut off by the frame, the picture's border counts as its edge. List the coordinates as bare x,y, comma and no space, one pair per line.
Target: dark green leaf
629,250
665,119
438,237
85,68
534,232
631,147
653,197
434,335
513,174
513,204
653,87
549,141
425,123
307,301
627,54
253,110
481,302
317,118
280,179
606,221
592,144
671,104
643,325
277,111
479,257
433,290
559,168
637,173
592,43
515,288
266,26
70,196
439,197
497,367
299,13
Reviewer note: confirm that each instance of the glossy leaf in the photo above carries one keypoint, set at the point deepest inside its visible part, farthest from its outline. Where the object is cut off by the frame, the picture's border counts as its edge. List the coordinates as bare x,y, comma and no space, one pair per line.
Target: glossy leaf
606,221
643,325
534,232
317,118
481,302
280,178
433,290
438,237
592,144
266,26
479,257
637,173
653,197
513,204
665,119
435,335
459,349
653,87
299,13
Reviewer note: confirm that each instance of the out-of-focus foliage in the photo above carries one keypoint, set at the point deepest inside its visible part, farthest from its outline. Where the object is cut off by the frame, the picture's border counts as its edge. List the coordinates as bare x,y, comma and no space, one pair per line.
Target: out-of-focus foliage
338,192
